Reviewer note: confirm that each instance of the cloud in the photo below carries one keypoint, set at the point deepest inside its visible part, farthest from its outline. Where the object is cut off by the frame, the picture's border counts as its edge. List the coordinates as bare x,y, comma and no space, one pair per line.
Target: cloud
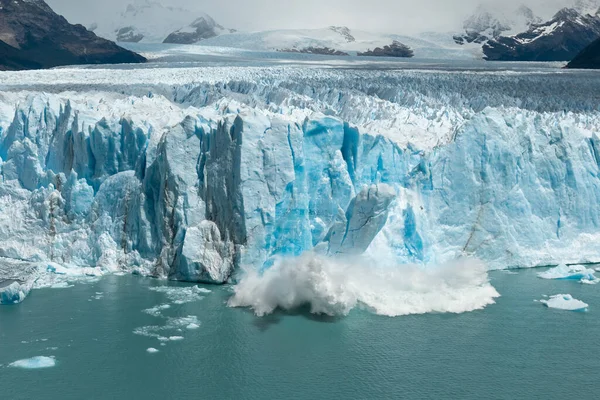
394,16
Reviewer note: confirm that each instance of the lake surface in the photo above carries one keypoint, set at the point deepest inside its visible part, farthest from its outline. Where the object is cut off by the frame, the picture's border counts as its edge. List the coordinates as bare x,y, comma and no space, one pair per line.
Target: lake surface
515,349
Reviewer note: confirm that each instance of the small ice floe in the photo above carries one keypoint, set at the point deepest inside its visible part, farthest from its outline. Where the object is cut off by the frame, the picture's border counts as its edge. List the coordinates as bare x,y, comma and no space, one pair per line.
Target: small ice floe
156,311
34,363
152,350
571,272
565,302
509,272
193,326
175,338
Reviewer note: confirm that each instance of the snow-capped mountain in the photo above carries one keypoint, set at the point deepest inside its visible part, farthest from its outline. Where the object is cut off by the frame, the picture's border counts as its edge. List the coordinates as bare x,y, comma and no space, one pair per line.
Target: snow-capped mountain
149,21
204,27
488,23
559,39
338,39
33,36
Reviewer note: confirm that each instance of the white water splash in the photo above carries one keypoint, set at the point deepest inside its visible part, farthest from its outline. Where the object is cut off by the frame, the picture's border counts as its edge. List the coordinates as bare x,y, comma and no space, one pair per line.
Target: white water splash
334,287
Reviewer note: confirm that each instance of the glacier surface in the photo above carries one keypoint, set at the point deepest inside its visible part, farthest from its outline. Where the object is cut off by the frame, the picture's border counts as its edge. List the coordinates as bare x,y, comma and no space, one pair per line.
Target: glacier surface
200,173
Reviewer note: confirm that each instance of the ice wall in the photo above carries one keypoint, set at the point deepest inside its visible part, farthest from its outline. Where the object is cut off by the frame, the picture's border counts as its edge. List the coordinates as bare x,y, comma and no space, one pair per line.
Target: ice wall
220,176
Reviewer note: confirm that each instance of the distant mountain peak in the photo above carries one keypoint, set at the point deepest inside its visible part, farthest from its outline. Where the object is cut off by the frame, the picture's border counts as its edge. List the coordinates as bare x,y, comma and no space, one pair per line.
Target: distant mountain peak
488,23
154,22
559,39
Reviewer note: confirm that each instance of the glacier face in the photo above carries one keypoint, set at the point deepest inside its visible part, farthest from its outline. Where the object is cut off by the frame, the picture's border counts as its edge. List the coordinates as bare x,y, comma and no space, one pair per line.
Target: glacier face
195,173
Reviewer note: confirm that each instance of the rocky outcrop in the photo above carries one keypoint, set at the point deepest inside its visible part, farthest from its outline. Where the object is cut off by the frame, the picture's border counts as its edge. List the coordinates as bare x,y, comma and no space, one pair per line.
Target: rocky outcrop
326,51
202,28
345,32
32,36
589,58
396,49
129,34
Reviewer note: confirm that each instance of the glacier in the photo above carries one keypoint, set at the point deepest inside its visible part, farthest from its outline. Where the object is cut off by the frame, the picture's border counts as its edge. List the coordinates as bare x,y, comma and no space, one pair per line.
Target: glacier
201,173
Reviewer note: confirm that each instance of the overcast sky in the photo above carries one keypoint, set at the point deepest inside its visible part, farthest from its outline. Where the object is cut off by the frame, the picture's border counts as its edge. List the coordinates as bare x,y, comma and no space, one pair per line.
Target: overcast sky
394,16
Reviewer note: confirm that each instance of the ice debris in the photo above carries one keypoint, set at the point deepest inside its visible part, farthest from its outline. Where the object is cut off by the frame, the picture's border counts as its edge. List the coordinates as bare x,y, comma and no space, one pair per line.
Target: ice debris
181,294
151,350
13,292
172,324
156,311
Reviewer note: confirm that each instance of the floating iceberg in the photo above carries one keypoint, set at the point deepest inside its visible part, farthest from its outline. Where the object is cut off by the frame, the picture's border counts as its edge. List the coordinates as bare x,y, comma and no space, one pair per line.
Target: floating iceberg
152,350
572,272
34,363
565,302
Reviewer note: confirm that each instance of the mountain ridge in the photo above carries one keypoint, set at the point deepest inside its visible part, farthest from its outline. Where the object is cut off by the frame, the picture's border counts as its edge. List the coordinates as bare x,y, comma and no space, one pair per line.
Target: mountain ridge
33,36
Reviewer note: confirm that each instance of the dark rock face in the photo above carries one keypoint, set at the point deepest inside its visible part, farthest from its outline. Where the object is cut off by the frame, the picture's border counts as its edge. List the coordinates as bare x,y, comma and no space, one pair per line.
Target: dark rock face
589,58
396,49
559,39
345,32
32,36
326,51
128,34
202,28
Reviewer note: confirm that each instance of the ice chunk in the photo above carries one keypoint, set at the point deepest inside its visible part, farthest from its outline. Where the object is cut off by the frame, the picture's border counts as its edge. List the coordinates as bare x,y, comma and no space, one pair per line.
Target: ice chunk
175,338
354,230
205,257
565,302
34,363
573,272
192,326
151,350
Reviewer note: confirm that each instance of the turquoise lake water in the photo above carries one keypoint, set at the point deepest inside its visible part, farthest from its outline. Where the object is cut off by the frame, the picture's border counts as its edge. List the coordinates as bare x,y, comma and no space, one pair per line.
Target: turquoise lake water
515,349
